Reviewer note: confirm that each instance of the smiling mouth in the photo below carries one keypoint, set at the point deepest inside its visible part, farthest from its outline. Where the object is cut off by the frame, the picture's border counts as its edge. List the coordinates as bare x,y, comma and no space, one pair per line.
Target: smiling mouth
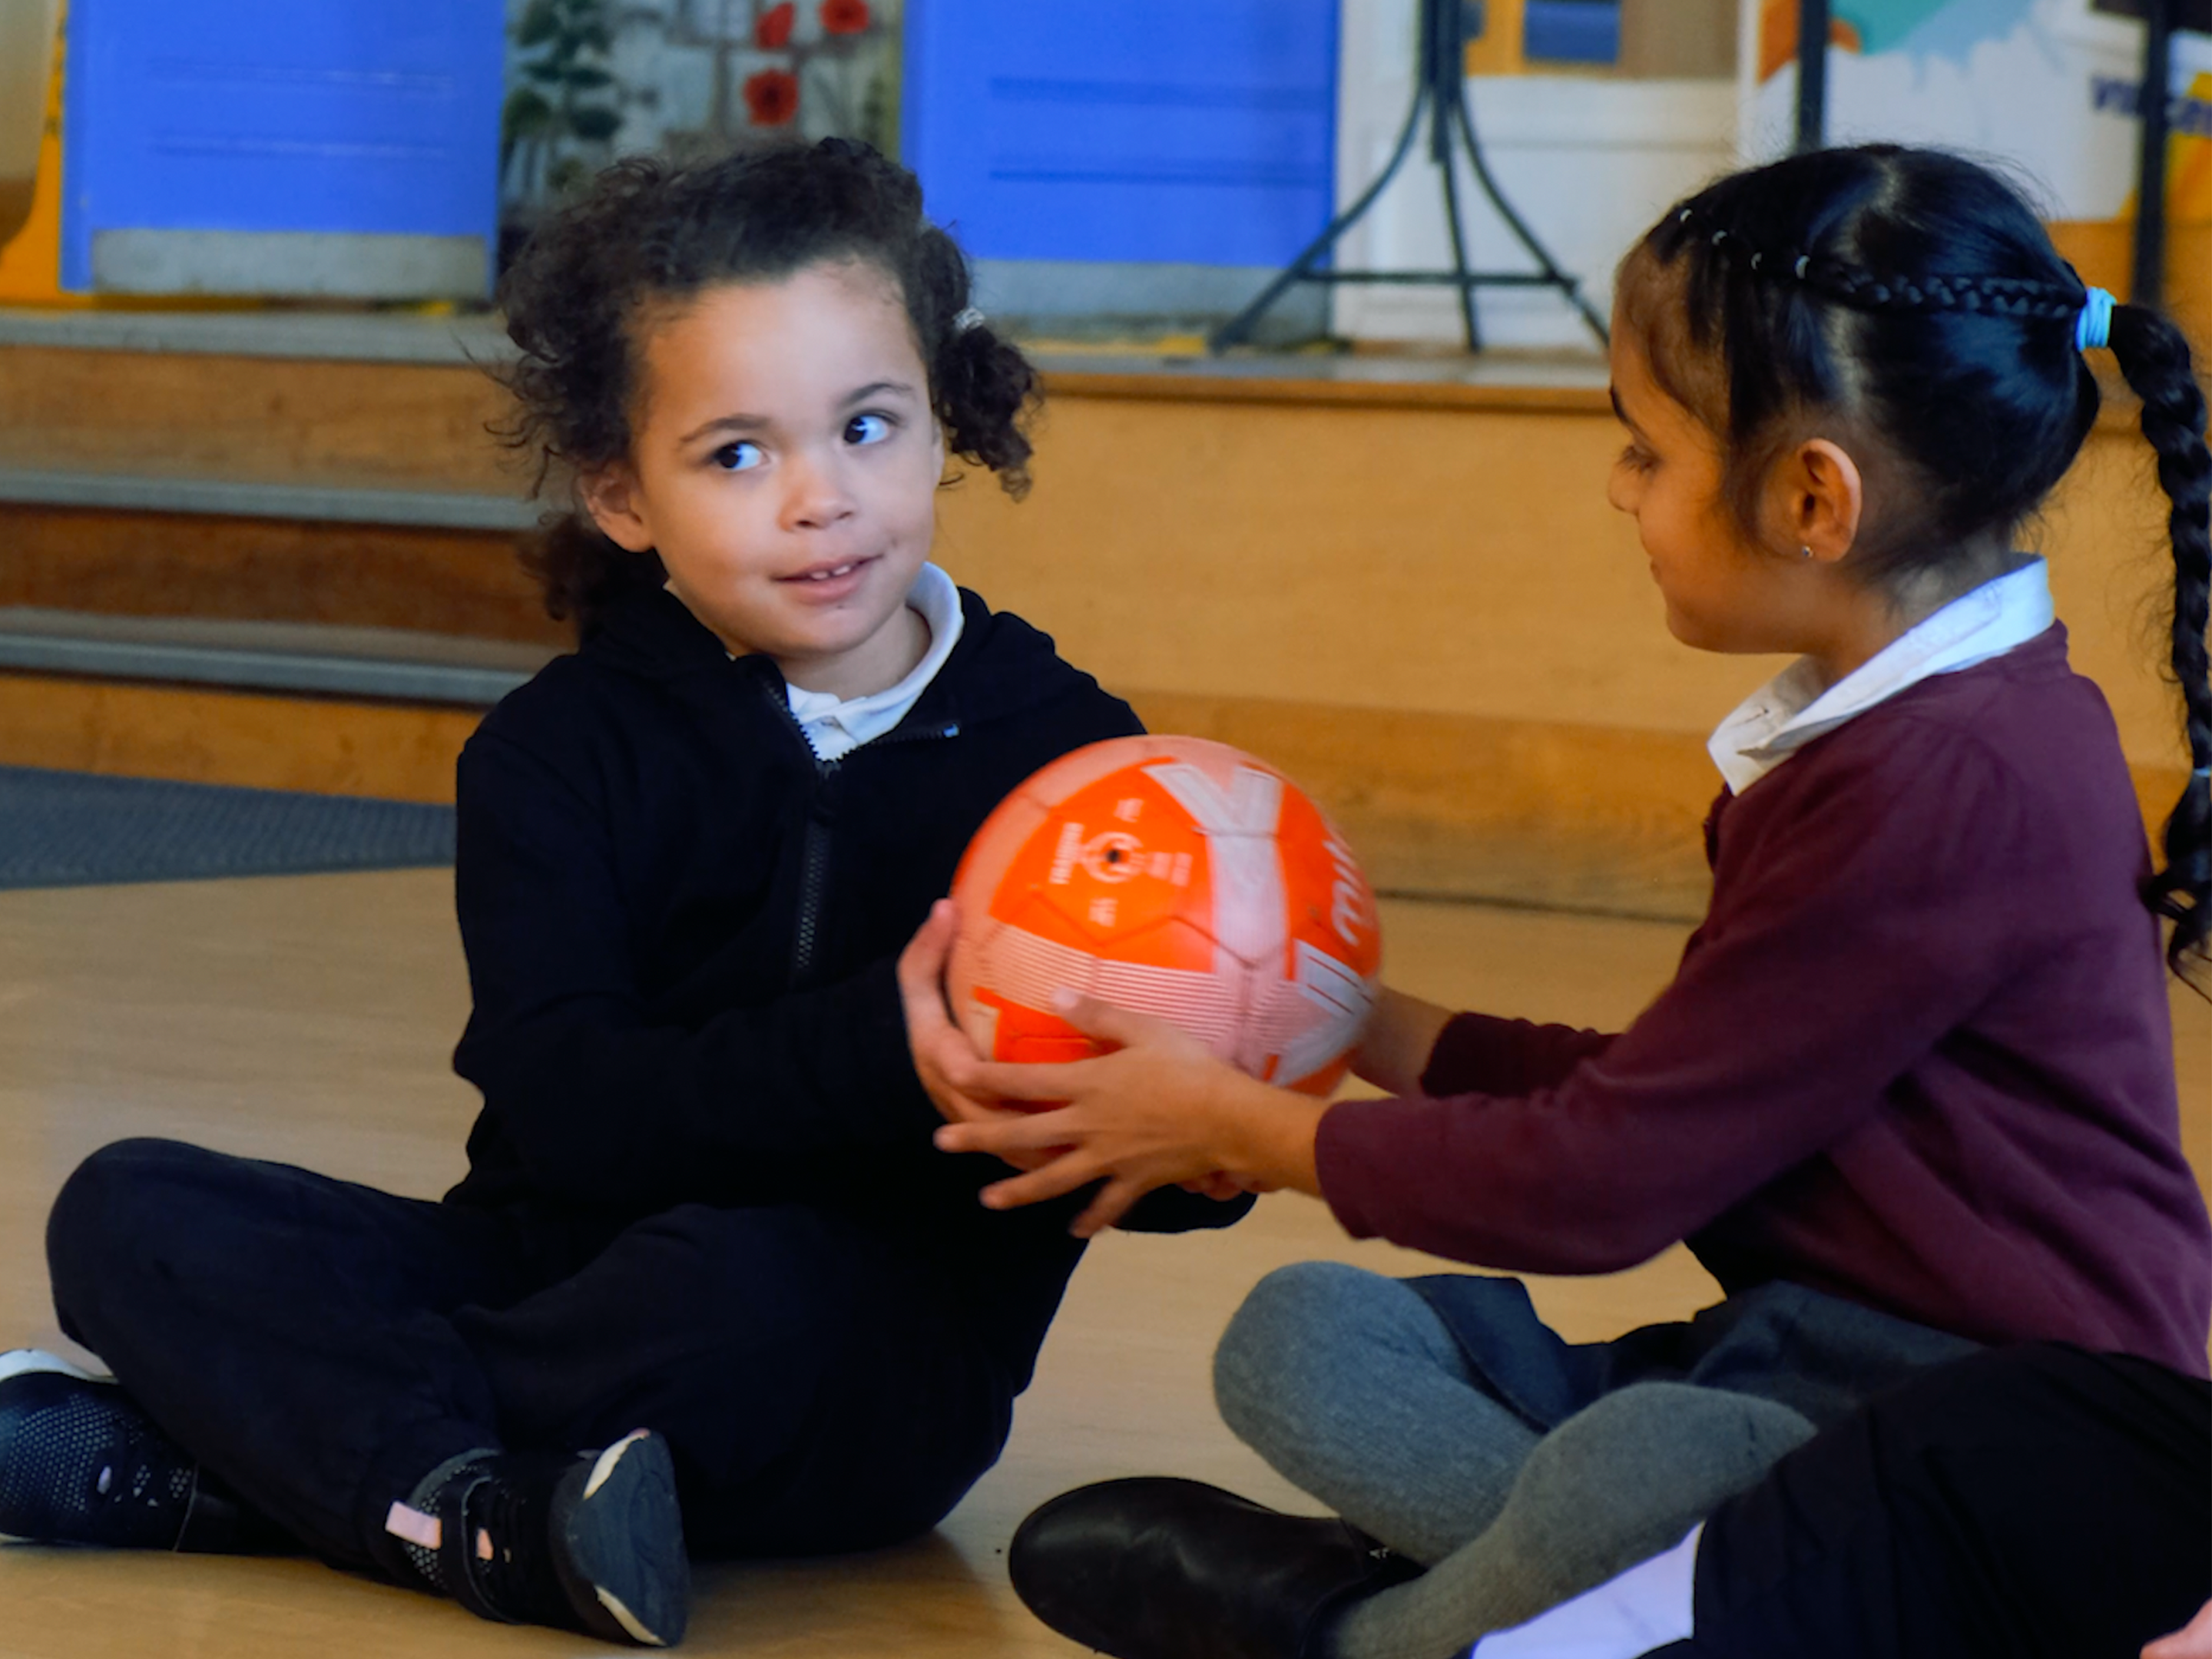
829,572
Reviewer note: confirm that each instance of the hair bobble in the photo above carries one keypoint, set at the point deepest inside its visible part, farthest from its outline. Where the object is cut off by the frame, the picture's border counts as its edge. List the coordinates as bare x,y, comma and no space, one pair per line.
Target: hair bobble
968,317
1804,266
2093,329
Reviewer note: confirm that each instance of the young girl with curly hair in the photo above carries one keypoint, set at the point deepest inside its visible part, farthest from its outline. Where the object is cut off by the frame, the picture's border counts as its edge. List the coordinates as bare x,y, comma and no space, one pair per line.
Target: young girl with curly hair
704,1233
1912,1090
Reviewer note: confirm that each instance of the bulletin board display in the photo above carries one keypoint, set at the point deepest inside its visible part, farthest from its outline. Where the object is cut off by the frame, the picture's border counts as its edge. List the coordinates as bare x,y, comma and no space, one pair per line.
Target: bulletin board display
189,122
1150,130
2051,86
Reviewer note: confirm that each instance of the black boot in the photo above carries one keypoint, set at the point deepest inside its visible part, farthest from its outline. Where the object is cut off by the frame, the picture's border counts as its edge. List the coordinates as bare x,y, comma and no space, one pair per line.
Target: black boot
1164,1569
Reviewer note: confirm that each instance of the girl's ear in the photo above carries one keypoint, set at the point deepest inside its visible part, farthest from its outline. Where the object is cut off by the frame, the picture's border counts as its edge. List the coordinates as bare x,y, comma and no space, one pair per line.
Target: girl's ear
611,497
1816,497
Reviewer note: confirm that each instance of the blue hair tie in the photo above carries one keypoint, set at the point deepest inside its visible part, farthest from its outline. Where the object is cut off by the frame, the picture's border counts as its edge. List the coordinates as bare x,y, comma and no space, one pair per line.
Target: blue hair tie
2093,328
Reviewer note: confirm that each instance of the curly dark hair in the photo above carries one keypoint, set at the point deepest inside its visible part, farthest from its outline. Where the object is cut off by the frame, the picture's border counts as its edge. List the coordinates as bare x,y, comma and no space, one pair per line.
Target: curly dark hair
650,231
1918,294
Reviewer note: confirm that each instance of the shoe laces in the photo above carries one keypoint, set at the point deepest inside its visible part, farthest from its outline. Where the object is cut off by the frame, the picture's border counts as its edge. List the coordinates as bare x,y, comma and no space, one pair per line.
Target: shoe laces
497,1515
137,1470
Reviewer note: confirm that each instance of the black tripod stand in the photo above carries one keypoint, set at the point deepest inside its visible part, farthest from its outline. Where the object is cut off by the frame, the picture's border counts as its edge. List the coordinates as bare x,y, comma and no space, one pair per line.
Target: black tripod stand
1440,89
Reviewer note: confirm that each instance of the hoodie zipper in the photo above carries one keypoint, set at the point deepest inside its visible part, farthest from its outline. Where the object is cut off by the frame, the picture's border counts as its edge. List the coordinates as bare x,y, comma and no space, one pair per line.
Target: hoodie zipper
814,859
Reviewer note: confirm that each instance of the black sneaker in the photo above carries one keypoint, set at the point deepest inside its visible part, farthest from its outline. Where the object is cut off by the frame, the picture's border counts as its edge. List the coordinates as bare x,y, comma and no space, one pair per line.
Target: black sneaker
81,1464
590,1543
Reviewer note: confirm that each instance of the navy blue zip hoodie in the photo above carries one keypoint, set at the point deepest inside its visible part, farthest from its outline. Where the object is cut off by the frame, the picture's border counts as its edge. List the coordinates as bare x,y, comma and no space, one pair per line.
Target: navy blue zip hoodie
682,927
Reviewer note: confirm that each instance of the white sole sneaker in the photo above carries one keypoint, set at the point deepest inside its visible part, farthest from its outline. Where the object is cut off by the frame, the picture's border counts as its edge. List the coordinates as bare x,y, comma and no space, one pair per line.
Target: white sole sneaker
18,1361
80,1463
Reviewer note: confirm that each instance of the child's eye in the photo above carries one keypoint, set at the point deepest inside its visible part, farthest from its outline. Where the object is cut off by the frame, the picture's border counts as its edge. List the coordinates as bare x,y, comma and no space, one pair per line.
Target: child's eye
1638,459
867,429
738,457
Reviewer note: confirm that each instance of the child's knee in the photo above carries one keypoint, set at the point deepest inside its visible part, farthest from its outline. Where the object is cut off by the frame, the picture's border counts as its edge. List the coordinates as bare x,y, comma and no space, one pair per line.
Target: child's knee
94,1230
1302,1328
1277,1320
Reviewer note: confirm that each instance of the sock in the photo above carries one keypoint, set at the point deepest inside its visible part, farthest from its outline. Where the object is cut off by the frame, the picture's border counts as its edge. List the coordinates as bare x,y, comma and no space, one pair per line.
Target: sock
1619,1482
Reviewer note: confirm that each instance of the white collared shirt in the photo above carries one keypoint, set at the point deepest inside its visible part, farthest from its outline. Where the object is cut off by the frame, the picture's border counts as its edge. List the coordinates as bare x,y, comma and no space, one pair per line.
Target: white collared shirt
1791,709
834,728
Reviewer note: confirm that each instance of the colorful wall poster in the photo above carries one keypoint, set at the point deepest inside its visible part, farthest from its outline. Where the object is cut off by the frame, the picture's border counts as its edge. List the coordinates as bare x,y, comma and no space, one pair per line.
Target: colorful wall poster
590,80
2050,89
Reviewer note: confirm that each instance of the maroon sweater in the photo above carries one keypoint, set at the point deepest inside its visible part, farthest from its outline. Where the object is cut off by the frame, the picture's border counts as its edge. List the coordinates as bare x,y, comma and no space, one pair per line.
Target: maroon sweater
1919,1054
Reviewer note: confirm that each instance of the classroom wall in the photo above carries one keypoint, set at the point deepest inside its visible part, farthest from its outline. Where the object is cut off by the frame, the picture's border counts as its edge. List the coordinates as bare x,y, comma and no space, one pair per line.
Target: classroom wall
1414,597
1432,616
1451,559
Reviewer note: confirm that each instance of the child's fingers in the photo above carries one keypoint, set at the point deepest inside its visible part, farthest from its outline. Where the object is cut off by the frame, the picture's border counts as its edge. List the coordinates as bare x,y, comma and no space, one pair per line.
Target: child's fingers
947,1052
956,1107
1006,1079
1113,1201
1001,1131
1005,1129
921,967
1065,1173
1106,1022
1218,1186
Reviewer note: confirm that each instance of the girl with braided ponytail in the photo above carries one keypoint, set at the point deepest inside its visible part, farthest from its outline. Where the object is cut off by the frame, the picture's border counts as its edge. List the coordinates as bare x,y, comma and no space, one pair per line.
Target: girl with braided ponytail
1910,1094
703,1231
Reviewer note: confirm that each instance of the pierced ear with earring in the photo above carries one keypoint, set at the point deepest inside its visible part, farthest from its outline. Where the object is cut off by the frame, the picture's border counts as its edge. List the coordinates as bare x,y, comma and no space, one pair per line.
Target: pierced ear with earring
1805,551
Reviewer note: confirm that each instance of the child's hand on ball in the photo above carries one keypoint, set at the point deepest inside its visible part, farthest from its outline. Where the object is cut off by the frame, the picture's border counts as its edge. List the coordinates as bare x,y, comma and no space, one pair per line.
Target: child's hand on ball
940,1048
1156,1109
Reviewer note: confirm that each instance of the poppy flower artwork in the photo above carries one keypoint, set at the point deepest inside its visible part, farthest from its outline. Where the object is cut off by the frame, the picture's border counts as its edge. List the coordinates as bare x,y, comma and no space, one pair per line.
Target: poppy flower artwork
590,80
773,30
771,98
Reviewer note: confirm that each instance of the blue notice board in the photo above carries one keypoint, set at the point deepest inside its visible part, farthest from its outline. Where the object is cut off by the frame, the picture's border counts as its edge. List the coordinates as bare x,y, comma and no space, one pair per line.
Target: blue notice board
353,117
1200,132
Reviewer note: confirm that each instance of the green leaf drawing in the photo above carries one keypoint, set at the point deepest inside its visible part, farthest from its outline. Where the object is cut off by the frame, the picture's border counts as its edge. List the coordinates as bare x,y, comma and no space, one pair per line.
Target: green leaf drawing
539,24
526,115
563,45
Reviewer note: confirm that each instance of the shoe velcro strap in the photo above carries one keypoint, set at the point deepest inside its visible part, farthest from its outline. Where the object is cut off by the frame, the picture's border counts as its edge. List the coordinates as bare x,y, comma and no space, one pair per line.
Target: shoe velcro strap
456,1545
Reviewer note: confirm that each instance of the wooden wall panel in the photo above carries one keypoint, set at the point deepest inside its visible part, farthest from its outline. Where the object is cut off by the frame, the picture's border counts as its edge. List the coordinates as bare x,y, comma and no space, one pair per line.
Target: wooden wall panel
1440,547
1580,818
439,581
1585,818
271,419
1415,598
1450,561
326,747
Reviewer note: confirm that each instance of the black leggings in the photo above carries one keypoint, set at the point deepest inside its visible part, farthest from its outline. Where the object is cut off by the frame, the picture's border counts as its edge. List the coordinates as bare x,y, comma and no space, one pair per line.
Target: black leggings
322,1346
2027,1502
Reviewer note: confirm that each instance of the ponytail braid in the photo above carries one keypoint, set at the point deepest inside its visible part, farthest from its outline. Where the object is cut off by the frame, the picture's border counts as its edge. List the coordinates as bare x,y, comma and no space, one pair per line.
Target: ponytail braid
2154,356
1994,296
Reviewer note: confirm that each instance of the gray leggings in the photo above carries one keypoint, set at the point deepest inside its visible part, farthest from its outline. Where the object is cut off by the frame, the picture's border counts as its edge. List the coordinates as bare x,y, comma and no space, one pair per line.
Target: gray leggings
1350,1385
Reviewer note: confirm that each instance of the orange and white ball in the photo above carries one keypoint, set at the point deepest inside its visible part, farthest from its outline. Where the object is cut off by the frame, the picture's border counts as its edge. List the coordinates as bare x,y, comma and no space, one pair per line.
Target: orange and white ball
1172,877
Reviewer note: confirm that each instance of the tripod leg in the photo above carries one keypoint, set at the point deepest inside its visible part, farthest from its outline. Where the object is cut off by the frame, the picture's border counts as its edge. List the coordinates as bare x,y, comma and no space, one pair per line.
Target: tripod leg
1460,269
1233,332
1552,274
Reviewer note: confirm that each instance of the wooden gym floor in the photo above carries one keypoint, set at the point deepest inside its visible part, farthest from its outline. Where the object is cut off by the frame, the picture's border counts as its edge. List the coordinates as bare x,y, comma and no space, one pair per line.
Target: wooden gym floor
309,1019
